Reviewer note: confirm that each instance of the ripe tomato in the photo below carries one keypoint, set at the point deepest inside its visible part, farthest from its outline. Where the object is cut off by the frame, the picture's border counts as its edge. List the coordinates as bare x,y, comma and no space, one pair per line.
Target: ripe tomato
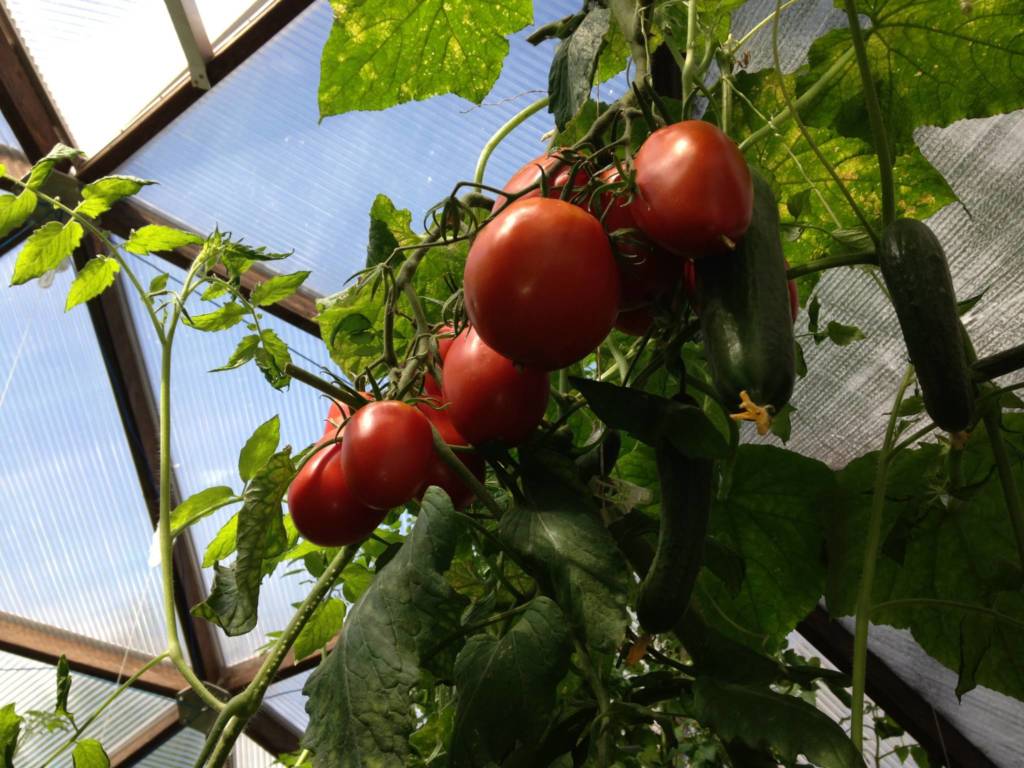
385,453
635,322
529,174
322,506
336,416
438,472
444,341
693,189
541,284
489,398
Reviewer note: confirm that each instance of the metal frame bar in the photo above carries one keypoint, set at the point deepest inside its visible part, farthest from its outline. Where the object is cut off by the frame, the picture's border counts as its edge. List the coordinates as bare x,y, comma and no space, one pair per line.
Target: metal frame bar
195,43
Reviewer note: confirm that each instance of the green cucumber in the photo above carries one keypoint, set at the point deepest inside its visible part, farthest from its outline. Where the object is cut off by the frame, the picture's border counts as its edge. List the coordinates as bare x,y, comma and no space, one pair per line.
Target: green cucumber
917,275
745,315
686,496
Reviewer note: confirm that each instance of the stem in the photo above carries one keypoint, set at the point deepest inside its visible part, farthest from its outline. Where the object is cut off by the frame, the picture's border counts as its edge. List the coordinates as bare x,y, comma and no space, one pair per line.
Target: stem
597,686
914,437
807,135
993,426
332,391
222,751
860,637
949,604
479,490
774,123
874,115
830,262
725,117
689,66
514,122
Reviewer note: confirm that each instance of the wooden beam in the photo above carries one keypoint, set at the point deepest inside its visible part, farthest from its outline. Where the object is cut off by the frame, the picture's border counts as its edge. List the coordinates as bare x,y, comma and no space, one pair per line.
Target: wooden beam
906,706
149,737
273,732
34,640
181,96
237,676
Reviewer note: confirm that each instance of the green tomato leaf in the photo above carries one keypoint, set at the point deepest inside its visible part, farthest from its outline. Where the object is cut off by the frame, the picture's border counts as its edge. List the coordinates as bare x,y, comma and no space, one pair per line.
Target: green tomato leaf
63,686
573,553
506,687
761,718
272,357
259,448
10,729
100,196
233,601
356,579
277,288
772,519
842,335
650,418
199,505
42,169
15,210
382,52
323,625
93,279
574,64
221,319
244,352
390,228
158,283
360,699
154,238
89,753
614,55
45,249
223,544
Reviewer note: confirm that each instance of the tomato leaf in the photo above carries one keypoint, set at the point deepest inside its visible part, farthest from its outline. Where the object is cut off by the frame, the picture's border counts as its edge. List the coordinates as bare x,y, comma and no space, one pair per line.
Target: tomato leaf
43,167
220,319
89,753
271,358
841,335
15,210
323,625
360,701
390,227
223,544
509,680
63,686
154,238
574,64
259,448
100,196
10,729
649,418
760,718
382,52
277,288
573,553
93,279
199,505
45,249
233,600
244,352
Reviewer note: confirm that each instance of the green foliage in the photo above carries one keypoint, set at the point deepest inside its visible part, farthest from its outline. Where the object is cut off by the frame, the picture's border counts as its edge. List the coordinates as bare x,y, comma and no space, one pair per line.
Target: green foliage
360,703
45,249
222,544
89,753
199,505
154,238
324,624
15,210
220,319
259,448
63,687
277,288
574,65
43,168
390,228
509,680
100,196
10,729
93,279
381,53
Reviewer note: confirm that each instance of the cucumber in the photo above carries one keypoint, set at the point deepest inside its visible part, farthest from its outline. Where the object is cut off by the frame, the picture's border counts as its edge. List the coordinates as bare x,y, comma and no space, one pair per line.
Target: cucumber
917,275
745,315
686,496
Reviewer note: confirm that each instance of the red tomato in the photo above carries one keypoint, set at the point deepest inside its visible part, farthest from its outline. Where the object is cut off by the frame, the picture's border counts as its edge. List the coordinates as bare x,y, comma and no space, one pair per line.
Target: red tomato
323,508
529,174
336,416
385,453
439,473
444,341
541,284
635,322
693,189
489,398
690,285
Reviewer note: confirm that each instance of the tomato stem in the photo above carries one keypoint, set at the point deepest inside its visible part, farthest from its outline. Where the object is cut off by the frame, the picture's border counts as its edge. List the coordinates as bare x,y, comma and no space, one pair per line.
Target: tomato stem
513,122
690,63
331,390
464,473
867,578
831,262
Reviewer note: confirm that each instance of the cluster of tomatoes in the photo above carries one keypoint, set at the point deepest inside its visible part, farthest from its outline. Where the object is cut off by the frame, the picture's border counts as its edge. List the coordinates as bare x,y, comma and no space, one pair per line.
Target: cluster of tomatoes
545,281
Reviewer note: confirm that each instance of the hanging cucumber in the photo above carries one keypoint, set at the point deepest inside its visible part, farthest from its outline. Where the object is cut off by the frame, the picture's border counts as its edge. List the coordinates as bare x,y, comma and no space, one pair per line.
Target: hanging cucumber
745,317
686,496
917,276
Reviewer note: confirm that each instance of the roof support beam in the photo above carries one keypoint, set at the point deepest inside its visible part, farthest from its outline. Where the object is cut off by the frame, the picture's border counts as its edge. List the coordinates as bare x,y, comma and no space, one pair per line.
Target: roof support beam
188,24
148,738
237,676
273,732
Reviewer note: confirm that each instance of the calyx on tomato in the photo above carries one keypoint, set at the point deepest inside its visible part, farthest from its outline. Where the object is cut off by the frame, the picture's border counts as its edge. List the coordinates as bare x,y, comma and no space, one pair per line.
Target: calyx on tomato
530,174
445,336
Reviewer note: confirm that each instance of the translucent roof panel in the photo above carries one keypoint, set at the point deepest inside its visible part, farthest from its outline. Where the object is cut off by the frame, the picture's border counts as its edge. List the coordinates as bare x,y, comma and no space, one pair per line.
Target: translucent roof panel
74,530
118,53
286,697
263,168
222,18
214,414
32,686
182,750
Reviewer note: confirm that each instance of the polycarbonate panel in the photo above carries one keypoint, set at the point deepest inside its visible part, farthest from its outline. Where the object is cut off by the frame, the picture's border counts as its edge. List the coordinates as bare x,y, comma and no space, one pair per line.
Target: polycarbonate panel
182,750
32,686
74,530
223,18
103,61
251,158
287,699
214,414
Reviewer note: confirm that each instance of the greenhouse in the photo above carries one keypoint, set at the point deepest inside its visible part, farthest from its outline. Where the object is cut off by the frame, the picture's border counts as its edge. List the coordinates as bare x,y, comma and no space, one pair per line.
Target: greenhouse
512,383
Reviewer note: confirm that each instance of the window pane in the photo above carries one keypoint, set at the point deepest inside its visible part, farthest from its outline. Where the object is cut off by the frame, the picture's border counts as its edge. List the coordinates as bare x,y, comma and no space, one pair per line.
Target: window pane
222,18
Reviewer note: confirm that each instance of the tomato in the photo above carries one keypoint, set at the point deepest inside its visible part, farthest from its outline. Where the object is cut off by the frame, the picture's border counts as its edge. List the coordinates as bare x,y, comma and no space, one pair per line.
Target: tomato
690,285
385,453
529,174
635,322
541,284
336,416
444,341
489,398
438,472
693,189
322,505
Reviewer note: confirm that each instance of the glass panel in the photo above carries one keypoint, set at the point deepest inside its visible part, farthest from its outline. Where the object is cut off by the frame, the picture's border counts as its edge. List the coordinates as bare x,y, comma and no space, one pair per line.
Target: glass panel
32,685
264,168
223,18
74,531
118,53
214,414
286,697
